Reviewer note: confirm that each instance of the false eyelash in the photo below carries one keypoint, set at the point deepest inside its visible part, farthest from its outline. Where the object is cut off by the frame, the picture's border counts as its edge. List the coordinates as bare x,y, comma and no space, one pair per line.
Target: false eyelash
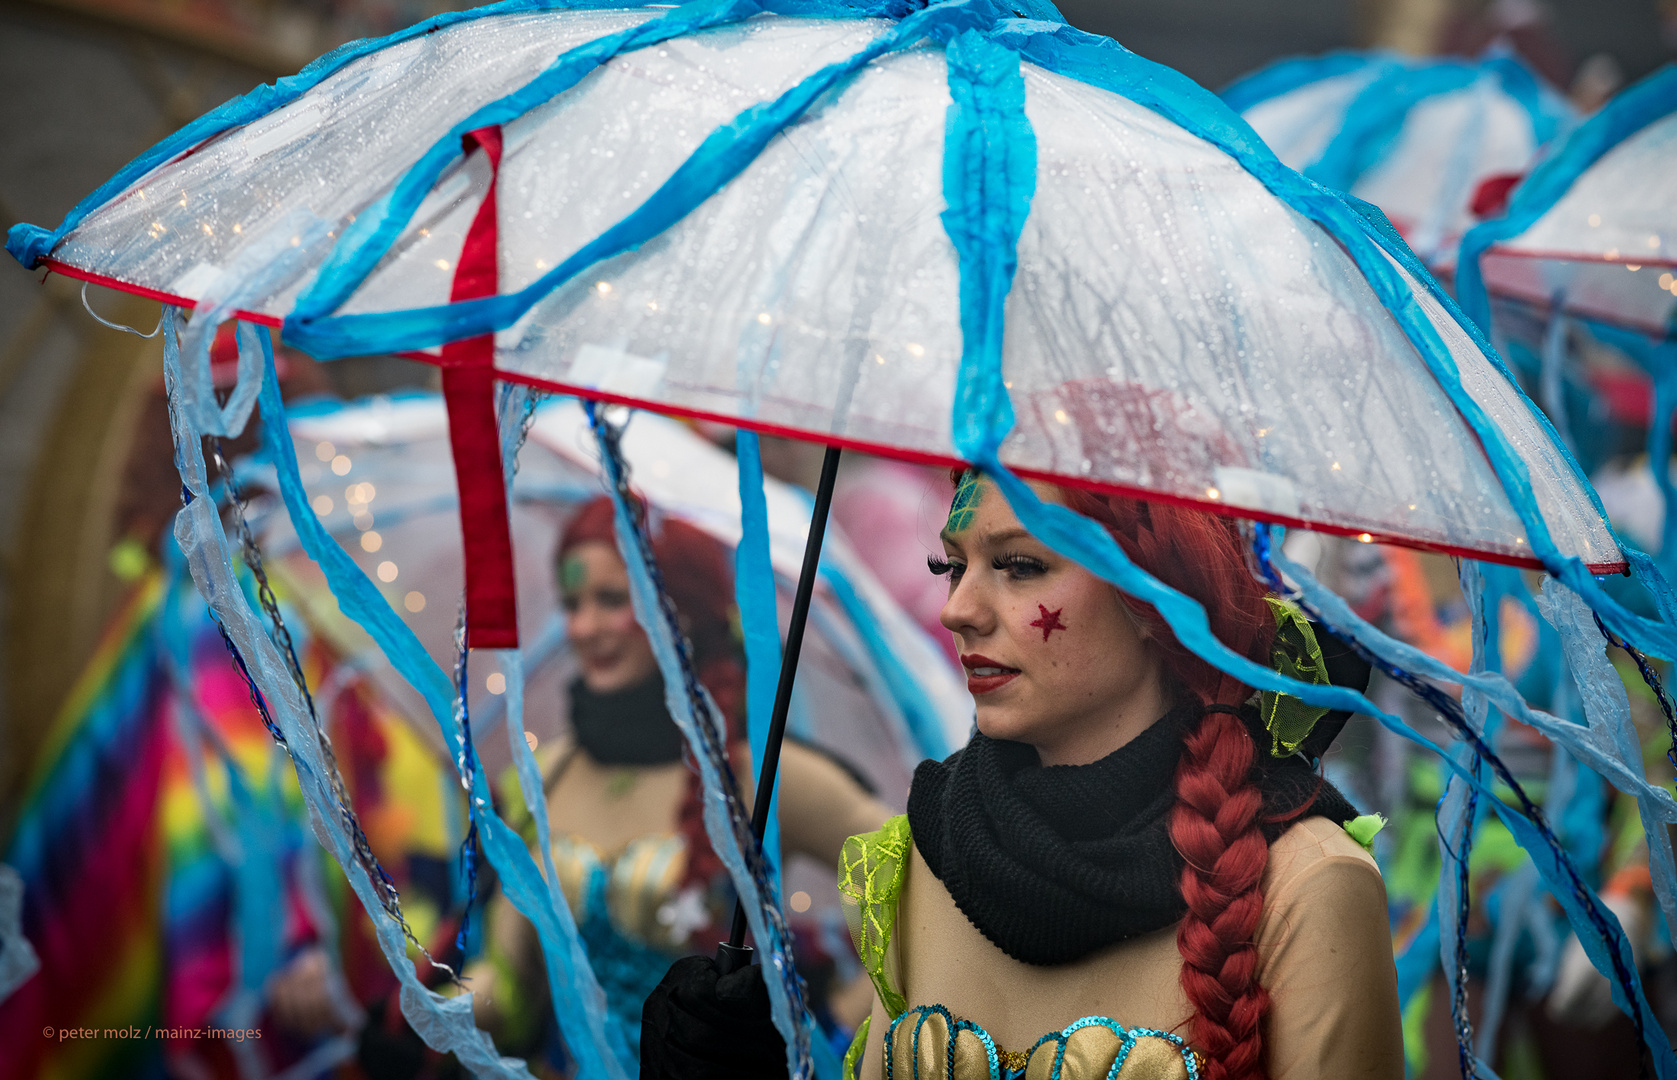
939,567
1019,562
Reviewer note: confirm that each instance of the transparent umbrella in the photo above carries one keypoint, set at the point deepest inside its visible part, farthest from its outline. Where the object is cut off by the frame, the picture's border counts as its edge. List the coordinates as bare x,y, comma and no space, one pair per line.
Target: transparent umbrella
1594,226
1591,235
393,507
814,287
955,233
1417,138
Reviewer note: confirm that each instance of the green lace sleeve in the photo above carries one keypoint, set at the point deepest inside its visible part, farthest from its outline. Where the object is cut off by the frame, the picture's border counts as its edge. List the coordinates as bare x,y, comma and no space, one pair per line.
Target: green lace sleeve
853,1056
870,881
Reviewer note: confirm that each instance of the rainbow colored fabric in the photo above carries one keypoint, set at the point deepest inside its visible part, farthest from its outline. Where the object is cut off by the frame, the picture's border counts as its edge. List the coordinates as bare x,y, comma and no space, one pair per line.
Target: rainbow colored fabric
146,929
88,846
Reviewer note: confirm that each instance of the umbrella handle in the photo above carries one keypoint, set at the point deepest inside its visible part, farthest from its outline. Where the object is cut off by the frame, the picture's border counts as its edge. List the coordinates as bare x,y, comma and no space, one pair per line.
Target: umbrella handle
733,954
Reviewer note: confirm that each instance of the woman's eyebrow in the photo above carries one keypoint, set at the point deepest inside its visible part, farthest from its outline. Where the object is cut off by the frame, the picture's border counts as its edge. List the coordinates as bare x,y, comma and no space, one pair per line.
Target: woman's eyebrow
1000,536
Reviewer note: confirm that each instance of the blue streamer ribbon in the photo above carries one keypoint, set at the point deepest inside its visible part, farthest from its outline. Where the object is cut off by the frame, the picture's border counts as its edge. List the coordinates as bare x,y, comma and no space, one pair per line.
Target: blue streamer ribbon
754,593
696,714
578,1001
253,839
444,1023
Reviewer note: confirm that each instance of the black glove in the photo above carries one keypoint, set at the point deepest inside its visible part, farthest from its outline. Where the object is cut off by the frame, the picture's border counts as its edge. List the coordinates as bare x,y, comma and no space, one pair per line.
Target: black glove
698,1025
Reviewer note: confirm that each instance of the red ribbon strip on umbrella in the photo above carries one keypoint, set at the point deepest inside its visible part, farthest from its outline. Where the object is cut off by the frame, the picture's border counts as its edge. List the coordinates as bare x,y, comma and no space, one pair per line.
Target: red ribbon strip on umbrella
474,434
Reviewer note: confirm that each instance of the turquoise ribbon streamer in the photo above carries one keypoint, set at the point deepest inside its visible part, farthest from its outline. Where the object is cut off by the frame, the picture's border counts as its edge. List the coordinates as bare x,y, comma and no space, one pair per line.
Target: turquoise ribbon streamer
726,822
578,1001
754,593
444,1023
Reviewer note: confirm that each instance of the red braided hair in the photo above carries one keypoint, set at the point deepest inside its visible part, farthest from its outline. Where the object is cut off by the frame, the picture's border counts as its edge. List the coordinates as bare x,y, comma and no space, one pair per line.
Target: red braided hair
699,575
1215,823
1215,827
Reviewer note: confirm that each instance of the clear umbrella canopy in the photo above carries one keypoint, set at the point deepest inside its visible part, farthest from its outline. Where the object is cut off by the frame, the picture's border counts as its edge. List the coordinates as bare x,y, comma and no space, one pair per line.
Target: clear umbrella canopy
1596,226
393,507
1416,138
1591,235
818,291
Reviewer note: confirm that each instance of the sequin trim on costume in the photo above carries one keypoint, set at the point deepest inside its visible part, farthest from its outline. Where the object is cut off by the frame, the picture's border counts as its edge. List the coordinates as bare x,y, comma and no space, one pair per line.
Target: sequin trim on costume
1167,1056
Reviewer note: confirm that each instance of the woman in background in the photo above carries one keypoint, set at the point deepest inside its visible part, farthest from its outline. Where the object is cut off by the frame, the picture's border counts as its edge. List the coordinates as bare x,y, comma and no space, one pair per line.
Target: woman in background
625,807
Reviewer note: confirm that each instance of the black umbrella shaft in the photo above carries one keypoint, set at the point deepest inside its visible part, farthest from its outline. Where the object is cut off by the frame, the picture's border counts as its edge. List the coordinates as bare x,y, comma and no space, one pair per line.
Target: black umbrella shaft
788,670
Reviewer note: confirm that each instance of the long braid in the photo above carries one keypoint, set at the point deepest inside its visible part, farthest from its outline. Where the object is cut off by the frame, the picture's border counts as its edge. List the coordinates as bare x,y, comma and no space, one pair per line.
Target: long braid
1215,825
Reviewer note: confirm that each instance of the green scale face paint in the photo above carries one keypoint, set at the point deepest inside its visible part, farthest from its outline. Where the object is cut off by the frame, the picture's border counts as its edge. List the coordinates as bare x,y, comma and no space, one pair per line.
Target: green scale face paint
968,494
573,575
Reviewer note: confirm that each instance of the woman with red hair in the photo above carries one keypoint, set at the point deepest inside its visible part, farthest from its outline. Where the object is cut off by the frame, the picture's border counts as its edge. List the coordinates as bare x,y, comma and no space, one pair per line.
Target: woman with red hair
1125,874
623,804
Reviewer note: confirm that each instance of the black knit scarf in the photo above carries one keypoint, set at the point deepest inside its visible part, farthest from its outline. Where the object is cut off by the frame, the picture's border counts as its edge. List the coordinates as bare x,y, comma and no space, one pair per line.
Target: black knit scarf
625,727
1054,862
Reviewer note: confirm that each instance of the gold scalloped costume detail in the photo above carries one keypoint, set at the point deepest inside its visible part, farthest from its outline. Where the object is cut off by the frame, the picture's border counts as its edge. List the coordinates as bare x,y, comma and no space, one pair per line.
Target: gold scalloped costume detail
928,1043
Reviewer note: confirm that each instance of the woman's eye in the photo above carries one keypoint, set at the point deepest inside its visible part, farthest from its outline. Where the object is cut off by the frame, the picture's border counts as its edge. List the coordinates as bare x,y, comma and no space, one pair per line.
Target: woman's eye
612,600
945,567
570,604
1020,567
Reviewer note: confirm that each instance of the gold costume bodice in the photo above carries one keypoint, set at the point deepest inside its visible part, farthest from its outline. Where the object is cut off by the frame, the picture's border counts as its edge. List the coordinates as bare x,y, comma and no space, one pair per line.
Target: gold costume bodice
640,891
926,1042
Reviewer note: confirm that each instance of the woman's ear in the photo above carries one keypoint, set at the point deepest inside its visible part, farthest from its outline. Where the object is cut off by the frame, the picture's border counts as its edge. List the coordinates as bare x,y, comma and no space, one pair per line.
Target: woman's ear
1133,617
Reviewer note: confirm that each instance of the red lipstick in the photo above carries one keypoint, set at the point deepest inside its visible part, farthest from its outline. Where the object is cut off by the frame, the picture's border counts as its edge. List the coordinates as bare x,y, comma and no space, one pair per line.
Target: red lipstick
985,674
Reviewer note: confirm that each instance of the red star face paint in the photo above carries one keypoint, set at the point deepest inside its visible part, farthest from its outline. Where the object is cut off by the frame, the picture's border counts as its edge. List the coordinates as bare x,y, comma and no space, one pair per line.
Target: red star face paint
1048,621
1068,696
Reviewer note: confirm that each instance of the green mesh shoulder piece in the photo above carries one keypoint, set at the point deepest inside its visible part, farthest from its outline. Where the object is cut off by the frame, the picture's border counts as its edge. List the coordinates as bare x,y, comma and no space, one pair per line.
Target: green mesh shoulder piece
1297,655
853,1056
870,881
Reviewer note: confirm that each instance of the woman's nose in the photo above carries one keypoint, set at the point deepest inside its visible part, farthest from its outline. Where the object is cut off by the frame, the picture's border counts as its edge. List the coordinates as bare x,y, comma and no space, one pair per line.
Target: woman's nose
967,611
582,623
